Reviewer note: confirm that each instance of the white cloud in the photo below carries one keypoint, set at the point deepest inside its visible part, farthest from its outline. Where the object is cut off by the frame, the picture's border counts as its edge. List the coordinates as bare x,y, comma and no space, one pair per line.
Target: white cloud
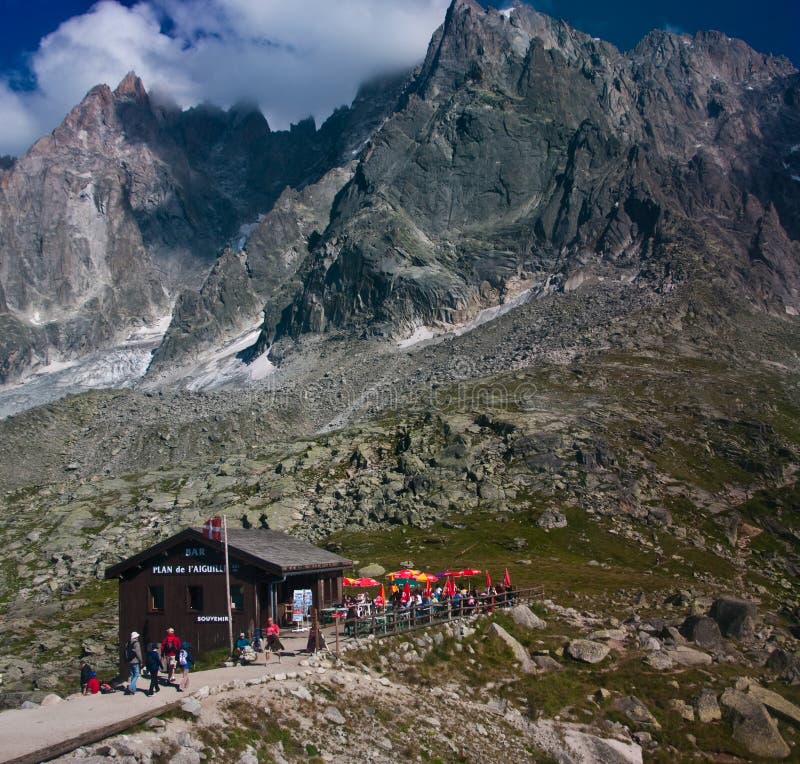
293,57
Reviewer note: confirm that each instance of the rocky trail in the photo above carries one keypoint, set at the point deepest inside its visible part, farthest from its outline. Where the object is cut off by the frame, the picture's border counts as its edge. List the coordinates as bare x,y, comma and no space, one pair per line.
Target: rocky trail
559,684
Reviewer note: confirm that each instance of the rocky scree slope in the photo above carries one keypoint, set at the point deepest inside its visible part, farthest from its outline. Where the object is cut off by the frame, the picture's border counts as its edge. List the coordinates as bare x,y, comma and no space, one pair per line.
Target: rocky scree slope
525,153
642,459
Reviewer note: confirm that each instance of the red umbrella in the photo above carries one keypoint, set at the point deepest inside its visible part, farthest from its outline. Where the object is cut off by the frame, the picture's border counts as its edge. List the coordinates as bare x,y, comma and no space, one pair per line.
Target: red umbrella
469,572
380,600
366,582
406,595
450,588
506,579
488,581
428,589
446,573
404,573
361,582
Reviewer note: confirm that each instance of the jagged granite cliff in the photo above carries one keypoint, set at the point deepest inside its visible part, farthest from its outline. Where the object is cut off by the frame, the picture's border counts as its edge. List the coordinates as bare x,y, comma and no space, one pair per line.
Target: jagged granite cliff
521,158
129,202
526,153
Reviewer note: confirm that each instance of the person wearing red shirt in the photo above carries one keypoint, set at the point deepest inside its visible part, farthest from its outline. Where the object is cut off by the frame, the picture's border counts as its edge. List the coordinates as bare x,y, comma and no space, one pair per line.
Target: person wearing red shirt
272,634
170,647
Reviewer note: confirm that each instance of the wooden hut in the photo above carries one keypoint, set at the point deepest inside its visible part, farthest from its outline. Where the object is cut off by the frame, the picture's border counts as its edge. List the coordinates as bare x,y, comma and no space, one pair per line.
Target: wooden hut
180,583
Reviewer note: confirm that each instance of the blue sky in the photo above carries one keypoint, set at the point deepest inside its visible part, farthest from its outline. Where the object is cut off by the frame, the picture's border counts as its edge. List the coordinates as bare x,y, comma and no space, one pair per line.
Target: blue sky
294,57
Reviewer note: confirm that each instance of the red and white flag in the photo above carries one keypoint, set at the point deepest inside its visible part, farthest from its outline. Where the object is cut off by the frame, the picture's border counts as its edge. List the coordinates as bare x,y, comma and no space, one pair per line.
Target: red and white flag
506,579
213,529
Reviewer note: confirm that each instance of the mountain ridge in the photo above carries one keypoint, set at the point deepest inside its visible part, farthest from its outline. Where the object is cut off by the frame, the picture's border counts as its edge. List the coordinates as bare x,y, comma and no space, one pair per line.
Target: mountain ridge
130,200
521,157
609,121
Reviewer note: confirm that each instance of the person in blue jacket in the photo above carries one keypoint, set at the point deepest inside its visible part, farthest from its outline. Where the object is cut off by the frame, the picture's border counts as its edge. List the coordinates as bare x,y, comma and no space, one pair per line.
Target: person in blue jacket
153,663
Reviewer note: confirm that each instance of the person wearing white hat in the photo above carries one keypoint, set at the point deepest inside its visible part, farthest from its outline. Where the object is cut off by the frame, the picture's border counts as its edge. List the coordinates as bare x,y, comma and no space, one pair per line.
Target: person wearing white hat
135,658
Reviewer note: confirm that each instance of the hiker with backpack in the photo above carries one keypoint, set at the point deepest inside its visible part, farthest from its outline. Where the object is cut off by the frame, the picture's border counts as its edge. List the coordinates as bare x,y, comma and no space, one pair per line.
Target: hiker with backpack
170,647
153,667
133,654
185,662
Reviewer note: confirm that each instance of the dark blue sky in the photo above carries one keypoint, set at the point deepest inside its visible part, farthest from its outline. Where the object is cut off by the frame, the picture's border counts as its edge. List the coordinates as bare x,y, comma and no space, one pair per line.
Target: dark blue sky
215,51
770,26
24,22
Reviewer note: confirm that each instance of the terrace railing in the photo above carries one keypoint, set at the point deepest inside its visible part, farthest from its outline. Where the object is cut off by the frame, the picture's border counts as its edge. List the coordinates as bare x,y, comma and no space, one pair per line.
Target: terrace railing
390,621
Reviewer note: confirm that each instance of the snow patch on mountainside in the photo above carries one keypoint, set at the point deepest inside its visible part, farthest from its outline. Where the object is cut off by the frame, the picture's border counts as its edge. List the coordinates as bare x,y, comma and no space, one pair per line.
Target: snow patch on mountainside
495,311
223,367
420,334
119,366
423,333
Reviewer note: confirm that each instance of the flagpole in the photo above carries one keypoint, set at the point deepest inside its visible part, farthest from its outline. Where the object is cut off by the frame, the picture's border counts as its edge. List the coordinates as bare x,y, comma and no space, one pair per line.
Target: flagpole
227,583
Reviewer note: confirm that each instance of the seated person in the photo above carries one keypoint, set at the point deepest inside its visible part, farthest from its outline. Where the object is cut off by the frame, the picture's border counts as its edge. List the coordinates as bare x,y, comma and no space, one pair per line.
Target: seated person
89,681
244,648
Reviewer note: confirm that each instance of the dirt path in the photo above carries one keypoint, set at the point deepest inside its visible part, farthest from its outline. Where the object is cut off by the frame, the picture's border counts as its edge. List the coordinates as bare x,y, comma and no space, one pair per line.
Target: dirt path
41,733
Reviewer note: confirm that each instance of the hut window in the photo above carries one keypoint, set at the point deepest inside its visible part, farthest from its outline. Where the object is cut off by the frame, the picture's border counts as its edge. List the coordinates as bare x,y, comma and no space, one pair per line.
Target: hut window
194,597
156,599
237,598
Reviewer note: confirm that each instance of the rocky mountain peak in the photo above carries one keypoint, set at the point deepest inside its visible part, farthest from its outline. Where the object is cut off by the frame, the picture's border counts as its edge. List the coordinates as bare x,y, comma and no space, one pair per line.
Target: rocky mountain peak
526,147
131,86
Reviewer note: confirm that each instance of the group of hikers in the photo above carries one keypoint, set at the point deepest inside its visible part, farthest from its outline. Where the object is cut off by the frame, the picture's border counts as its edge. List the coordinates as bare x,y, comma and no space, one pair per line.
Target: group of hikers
267,641
172,655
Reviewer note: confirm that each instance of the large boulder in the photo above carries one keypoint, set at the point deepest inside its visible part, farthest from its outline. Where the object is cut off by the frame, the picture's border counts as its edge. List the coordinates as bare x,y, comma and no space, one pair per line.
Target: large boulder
736,618
753,727
373,570
524,616
520,653
703,631
637,712
772,700
587,651
334,716
706,706
546,663
687,656
552,518
659,660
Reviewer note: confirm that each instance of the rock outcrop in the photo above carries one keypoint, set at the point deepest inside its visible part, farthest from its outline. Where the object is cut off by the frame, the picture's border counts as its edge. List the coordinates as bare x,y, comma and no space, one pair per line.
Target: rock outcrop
130,200
526,155
587,651
753,726
736,617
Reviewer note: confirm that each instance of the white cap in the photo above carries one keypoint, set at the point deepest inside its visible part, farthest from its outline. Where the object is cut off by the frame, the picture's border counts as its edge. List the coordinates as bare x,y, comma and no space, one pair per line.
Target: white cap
134,635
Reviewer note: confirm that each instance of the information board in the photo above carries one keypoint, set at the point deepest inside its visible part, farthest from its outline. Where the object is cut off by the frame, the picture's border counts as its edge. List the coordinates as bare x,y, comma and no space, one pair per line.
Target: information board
301,602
